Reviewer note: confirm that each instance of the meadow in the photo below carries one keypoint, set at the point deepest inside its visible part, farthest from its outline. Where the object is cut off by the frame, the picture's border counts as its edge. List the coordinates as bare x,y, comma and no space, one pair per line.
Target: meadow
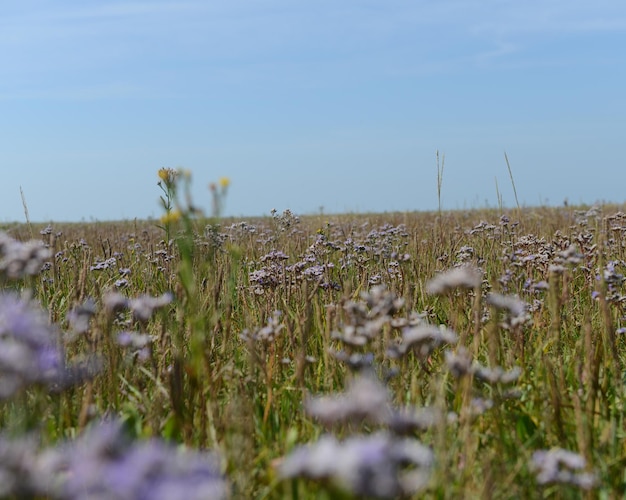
461,354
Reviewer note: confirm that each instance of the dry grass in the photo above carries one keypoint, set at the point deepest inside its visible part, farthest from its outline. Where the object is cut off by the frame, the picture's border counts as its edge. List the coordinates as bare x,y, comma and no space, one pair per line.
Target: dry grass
224,372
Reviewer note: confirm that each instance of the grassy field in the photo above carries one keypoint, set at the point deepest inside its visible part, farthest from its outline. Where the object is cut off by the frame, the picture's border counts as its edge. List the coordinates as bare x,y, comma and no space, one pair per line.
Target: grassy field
468,354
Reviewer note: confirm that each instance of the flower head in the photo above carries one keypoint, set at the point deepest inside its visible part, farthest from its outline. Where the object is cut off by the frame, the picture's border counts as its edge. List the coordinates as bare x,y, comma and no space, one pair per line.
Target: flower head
377,465
18,259
561,466
365,399
103,463
171,216
168,176
458,277
28,350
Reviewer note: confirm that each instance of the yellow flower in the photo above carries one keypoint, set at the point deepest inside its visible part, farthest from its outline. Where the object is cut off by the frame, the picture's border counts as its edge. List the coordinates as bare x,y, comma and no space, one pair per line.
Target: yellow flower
168,175
224,182
171,216
164,174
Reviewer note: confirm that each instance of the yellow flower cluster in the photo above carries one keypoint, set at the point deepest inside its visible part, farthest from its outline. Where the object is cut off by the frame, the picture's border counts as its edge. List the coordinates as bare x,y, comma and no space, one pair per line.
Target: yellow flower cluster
168,175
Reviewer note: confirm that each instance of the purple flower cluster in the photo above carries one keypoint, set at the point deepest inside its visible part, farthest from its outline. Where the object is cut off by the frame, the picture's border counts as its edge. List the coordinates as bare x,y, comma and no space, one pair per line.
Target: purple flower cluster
457,277
28,347
366,318
30,353
423,340
381,465
142,307
18,259
268,333
559,466
376,466
104,464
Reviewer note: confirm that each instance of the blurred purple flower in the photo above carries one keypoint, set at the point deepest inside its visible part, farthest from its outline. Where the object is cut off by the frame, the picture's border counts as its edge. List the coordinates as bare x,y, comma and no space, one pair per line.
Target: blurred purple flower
144,306
138,343
104,464
457,277
104,264
378,466
275,255
562,466
115,302
268,333
516,310
28,352
79,317
18,467
422,339
18,259
365,400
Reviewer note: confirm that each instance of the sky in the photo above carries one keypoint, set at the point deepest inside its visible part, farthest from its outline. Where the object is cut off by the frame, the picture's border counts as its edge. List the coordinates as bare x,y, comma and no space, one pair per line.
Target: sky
333,106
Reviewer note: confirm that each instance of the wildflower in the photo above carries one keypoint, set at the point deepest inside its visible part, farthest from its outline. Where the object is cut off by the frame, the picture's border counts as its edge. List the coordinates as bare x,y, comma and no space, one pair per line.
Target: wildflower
356,361
103,264
561,466
570,255
121,283
381,301
171,216
515,309
365,400
377,465
275,255
18,259
18,459
79,317
422,339
138,343
103,463
497,375
458,277
459,363
28,350
115,302
360,335
408,420
268,333
144,306
168,176
224,182
478,406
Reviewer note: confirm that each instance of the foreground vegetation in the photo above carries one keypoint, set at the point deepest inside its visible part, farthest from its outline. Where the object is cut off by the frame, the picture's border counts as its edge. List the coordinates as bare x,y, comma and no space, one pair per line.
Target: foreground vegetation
457,354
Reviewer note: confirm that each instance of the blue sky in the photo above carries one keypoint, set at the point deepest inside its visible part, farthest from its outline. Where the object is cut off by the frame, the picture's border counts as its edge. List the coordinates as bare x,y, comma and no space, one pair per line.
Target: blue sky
341,105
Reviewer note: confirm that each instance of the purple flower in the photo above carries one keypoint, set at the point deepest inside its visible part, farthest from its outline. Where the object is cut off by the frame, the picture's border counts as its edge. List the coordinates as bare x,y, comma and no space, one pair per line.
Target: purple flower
379,465
422,339
103,463
18,259
266,334
562,466
144,306
458,277
79,317
28,351
115,302
18,464
105,264
365,400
